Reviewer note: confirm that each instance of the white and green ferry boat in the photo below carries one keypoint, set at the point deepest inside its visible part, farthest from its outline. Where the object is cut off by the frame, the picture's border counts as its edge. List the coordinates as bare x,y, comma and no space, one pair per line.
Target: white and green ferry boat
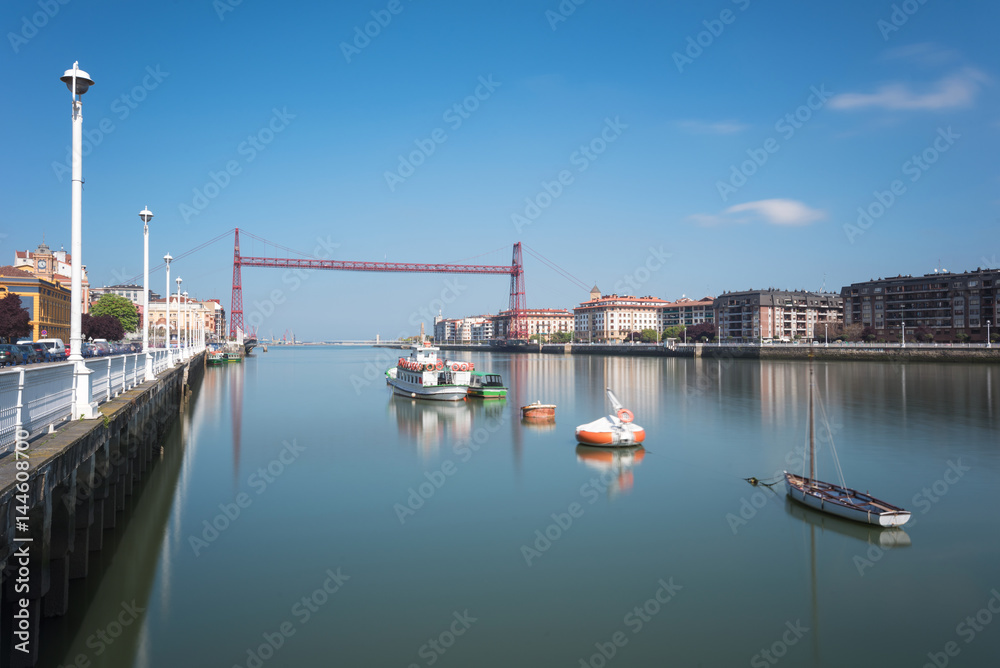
424,375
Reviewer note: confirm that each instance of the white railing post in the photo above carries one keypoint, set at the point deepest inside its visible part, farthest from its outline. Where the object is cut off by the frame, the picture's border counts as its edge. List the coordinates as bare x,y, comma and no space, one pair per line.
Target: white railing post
108,382
19,407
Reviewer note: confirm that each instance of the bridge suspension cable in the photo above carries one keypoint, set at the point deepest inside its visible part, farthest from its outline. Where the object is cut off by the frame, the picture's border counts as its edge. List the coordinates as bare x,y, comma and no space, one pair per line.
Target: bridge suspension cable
552,265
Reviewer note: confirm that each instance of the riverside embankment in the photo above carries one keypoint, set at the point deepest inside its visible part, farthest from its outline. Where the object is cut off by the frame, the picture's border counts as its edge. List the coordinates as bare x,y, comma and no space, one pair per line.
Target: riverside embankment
874,353
74,484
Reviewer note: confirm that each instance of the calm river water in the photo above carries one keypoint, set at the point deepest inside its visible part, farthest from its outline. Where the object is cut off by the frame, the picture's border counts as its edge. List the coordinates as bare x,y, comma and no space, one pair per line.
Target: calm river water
301,516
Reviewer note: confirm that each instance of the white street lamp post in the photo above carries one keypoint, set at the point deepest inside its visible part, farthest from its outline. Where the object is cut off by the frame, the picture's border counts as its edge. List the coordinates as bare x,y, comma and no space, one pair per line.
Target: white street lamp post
989,344
166,322
826,334
78,82
180,353
187,321
146,215
902,342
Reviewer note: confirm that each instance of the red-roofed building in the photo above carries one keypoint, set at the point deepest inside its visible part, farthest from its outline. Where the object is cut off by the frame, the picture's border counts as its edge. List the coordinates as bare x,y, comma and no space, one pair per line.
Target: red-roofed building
542,321
611,318
686,312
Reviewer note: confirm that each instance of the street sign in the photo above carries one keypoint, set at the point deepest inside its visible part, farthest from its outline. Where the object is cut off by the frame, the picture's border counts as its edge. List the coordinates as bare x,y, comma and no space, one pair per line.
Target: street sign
45,333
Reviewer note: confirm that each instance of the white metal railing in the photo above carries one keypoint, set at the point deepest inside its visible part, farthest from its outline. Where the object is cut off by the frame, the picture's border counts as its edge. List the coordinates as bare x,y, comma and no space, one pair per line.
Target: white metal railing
38,397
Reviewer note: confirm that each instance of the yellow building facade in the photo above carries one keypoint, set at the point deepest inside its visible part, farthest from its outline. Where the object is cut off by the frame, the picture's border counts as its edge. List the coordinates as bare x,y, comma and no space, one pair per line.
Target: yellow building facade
47,302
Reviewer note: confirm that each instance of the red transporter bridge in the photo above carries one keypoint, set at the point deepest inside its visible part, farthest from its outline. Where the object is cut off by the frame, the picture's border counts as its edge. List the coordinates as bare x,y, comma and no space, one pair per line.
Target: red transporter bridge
517,330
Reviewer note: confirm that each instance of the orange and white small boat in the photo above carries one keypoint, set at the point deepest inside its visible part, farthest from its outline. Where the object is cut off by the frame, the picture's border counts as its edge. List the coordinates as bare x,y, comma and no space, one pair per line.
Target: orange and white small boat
538,411
612,431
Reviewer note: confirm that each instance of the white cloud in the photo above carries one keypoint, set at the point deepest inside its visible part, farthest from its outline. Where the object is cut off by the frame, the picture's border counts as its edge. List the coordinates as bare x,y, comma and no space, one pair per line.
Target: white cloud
784,212
713,128
924,53
954,91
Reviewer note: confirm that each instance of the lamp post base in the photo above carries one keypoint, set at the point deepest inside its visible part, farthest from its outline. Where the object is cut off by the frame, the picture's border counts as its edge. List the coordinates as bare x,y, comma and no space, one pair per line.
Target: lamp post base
83,405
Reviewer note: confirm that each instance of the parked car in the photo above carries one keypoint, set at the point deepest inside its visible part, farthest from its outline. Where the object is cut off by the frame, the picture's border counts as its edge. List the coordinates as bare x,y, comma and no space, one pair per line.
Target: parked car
57,349
30,355
42,351
88,349
11,355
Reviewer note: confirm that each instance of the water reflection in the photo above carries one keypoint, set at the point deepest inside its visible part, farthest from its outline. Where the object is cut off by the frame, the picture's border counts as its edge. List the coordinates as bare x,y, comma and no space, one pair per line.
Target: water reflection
614,463
430,423
885,538
119,589
539,424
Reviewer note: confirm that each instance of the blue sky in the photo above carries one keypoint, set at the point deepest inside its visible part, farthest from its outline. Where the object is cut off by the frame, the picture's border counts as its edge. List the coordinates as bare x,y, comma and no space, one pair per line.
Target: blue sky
738,137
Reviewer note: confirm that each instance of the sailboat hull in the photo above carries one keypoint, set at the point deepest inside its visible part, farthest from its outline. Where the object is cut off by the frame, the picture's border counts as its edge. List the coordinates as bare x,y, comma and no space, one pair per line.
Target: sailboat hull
844,502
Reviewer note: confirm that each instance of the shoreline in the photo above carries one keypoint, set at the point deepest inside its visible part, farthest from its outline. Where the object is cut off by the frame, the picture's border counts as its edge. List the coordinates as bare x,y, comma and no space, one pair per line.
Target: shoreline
873,353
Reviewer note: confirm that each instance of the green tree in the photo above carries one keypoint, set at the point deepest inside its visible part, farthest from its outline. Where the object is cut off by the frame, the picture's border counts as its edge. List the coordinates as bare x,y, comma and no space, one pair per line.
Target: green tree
562,337
122,309
962,337
14,319
674,332
649,336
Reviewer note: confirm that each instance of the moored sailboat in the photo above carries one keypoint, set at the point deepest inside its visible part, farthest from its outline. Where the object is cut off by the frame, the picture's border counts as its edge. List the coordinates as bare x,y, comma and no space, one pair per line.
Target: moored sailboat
839,500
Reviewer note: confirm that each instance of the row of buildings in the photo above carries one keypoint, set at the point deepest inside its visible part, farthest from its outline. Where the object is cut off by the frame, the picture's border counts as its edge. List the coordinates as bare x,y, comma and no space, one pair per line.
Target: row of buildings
941,306
602,318
42,279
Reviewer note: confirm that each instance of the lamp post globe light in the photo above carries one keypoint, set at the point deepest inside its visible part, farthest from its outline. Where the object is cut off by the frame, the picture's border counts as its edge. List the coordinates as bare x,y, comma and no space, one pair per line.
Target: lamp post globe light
145,216
78,82
166,327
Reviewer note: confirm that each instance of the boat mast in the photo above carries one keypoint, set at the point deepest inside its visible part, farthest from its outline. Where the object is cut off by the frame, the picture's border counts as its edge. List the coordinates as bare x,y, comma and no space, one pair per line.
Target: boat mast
812,428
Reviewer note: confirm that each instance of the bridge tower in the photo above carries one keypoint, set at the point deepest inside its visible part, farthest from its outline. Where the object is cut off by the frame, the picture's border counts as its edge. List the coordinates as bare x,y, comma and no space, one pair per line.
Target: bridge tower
518,323
236,307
